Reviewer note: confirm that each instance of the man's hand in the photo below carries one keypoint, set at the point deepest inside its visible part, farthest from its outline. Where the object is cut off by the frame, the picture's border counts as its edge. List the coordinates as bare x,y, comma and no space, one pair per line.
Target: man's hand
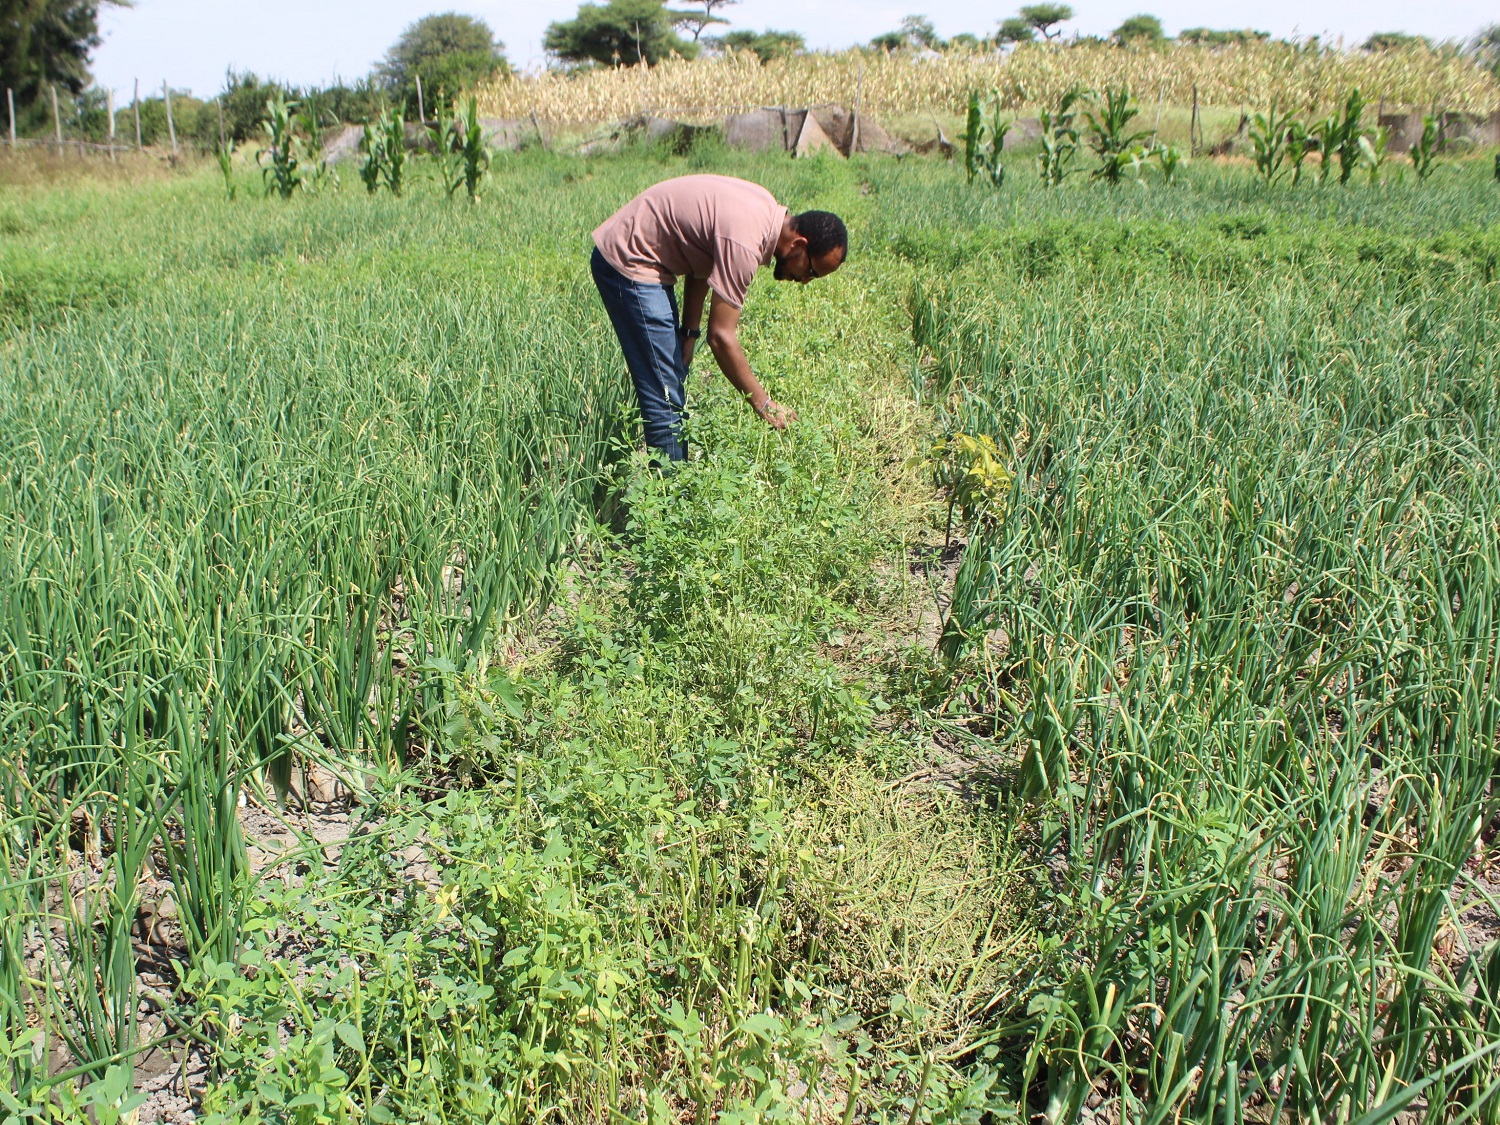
687,350
776,416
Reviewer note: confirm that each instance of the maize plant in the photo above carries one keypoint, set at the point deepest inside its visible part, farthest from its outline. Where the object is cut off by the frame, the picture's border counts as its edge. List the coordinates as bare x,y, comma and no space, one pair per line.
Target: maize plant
1372,148
466,140
983,141
1059,139
225,156
1424,152
1111,139
280,168
372,169
1270,138
1169,158
393,134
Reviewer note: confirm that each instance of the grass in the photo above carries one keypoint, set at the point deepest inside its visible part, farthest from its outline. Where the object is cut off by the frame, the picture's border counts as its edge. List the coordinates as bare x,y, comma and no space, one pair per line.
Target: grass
657,809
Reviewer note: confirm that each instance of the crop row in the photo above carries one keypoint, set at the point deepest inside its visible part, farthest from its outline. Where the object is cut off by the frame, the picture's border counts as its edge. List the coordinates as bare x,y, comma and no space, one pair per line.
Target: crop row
1232,590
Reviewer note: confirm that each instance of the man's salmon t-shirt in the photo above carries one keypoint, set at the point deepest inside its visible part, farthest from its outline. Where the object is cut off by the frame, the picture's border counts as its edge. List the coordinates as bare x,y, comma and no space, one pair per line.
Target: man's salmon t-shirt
713,227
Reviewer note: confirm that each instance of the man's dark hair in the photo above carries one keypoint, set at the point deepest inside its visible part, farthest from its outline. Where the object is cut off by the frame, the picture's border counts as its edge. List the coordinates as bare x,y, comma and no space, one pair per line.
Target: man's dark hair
823,230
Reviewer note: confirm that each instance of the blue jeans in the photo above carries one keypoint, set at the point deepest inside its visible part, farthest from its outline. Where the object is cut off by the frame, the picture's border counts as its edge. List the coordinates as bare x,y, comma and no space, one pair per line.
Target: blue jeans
645,318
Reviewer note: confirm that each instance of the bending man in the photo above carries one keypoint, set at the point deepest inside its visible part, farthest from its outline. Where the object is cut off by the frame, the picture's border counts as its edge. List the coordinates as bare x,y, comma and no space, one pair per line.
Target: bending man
714,231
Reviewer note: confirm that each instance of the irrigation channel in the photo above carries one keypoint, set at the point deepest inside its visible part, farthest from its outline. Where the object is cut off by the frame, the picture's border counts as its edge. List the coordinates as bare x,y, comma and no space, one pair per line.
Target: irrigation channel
1087,710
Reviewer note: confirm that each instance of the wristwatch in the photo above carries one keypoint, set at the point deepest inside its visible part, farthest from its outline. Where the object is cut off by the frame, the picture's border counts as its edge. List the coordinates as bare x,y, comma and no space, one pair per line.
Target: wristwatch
691,333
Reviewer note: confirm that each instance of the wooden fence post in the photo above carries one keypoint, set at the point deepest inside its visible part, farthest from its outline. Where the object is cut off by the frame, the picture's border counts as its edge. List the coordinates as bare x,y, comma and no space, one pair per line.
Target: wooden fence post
137,103
109,107
1193,126
166,92
421,109
859,97
10,98
56,119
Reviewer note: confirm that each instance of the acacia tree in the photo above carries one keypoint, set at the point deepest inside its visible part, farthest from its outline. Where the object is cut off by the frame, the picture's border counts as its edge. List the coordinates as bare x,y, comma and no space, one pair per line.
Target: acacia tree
767,45
1140,29
1485,47
1045,18
47,42
449,52
621,32
696,21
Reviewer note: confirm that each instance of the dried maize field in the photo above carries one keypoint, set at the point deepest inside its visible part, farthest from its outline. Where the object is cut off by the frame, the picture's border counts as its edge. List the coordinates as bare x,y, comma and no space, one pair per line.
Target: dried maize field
1305,77
1086,712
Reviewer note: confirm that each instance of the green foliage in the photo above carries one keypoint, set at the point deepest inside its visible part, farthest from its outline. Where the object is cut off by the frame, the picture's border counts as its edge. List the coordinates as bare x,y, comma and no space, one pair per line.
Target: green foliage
618,33
46,43
767,45
1276,139
1394,41
984,140
1139,29
1485,48
1110,136
1424,153
465,139
1172,488
281,170
1372,147
1045,18
225,157
1340,135
450,53
1059,137
1208,37
1016,29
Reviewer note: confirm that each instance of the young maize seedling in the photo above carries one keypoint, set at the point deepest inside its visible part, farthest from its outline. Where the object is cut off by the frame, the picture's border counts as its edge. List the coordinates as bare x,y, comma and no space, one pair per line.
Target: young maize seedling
1170,158
1424,152
1112,141
473,154
372,171
280,168
225,154
393,130
984,141
1372,148
1059,139
1270,136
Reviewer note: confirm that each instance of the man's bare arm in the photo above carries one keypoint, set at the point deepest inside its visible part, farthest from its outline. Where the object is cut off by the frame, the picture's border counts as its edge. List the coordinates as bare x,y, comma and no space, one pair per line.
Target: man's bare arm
724,342
694,292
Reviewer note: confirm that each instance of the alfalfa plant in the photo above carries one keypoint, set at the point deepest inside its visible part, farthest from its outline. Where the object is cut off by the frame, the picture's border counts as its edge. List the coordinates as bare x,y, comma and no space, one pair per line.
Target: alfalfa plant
1424,152
983,141
1111,138
473,155
280,168
1059,138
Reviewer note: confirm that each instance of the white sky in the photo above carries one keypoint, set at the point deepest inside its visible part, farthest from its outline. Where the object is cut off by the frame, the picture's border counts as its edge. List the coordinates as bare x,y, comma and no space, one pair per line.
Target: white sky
191,42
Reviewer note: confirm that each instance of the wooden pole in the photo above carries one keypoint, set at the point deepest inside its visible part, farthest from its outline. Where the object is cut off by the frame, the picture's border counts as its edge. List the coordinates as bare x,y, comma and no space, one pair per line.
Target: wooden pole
56,119
421,109
166,92
10,98
859,97
137,104
109,107
1193,127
